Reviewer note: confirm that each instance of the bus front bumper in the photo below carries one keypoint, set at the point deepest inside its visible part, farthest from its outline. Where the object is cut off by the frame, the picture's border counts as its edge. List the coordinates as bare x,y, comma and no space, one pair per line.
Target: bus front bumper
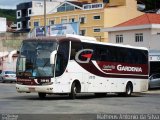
29,89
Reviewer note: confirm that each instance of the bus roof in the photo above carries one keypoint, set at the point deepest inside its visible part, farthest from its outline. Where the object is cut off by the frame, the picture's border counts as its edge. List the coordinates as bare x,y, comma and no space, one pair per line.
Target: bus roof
116,45
93,40
85,39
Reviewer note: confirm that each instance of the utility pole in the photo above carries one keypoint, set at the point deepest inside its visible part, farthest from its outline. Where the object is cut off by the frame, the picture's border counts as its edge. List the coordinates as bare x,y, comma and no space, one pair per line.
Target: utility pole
44,17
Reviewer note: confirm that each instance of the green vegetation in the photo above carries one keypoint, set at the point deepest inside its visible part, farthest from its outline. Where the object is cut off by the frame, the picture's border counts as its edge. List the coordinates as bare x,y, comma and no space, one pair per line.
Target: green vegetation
9,14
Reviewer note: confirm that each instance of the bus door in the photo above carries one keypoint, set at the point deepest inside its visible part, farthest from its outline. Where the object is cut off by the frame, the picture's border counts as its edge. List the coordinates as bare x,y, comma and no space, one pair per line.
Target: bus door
62,62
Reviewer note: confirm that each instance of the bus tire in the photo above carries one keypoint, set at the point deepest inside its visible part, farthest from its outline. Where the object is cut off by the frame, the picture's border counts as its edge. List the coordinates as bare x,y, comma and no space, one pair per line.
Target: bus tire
42,95
129,89
73,93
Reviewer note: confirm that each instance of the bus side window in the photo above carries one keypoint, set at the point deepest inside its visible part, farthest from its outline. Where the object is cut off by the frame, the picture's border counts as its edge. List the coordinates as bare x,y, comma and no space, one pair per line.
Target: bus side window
103,53
75,47
113,56
119,57
90,46
129,56
62,58
59,64
73,53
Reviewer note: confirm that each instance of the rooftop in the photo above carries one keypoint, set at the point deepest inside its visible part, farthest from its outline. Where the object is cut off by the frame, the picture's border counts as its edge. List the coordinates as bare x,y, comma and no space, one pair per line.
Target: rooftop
144,19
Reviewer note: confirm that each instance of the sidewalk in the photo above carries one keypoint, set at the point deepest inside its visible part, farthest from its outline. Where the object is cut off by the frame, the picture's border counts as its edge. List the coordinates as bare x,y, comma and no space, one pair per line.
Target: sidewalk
153,91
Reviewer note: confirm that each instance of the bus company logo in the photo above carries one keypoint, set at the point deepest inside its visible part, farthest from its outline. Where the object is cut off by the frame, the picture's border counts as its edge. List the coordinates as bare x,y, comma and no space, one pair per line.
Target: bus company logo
108,67
128,68
85,53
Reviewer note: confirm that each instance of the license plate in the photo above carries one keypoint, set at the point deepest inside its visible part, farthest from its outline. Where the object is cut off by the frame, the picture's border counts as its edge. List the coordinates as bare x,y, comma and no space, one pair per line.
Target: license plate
32,89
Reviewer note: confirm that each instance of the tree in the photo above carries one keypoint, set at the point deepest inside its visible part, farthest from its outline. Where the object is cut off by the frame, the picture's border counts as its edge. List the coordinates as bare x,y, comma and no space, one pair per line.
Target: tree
9,14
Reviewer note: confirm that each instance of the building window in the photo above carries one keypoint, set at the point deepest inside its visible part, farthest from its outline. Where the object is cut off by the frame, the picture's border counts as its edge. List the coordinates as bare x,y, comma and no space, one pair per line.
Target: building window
139,37
19,25
82,32
65,7
119,38
36,24
19,14
96,29
72,20
97,17
82,20
51,22
63,20
29,11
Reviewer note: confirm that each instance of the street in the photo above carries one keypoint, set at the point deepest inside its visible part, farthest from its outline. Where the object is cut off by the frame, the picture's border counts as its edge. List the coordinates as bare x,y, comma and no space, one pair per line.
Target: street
12,102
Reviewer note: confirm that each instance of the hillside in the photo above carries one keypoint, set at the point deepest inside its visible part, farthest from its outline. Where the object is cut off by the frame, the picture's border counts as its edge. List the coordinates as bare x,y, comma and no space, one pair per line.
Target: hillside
9,14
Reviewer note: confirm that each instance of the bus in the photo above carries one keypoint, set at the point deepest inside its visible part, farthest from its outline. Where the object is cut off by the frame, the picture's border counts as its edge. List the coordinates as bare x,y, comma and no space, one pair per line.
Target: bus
73,64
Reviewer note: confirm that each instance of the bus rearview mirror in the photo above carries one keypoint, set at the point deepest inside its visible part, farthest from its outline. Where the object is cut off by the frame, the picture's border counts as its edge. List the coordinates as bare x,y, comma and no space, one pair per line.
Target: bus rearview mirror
52,57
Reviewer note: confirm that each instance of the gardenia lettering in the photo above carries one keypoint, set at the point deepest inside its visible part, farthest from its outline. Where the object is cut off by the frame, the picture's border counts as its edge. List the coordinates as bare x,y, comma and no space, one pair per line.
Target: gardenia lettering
127,68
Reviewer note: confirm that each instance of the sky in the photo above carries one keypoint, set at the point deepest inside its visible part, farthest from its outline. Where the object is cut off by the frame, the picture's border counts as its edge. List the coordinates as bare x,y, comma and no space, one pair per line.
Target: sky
11,4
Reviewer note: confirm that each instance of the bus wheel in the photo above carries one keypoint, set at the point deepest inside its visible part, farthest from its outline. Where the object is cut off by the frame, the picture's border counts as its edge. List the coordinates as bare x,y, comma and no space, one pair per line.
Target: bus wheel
42,95
72,95
129,89
128,92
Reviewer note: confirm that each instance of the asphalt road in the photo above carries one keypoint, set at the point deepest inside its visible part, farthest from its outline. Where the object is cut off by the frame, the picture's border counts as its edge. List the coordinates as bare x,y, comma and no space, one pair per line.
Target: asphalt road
12,102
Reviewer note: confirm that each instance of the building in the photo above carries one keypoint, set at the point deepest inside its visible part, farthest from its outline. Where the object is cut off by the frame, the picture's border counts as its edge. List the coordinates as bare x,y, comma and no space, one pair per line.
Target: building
92,15
143,31
33,8
3,25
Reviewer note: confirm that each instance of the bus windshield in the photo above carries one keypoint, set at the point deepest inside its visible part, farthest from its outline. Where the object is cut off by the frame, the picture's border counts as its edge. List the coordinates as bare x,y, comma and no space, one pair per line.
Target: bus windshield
34,59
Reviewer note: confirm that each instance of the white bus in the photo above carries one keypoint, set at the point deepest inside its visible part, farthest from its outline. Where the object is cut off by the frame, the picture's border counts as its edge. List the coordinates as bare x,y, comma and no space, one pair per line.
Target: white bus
74,64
